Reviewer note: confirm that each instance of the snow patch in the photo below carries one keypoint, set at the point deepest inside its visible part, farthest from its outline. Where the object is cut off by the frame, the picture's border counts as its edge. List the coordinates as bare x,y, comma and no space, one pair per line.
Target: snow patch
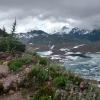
64,49
78,46
45,53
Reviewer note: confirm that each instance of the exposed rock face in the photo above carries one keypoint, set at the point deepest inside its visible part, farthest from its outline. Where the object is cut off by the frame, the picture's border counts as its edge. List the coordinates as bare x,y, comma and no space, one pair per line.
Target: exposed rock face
9,82
61,94
3,71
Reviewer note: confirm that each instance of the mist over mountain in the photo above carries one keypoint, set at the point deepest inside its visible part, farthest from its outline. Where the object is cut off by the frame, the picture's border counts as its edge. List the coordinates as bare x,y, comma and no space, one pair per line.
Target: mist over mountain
63,36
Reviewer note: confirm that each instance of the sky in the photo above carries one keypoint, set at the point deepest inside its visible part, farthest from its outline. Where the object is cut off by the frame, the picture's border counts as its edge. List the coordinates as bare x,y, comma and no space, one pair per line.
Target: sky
49,15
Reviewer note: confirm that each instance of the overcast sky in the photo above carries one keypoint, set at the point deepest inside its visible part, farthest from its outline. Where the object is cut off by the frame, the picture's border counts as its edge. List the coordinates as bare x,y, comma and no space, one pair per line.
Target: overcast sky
49,14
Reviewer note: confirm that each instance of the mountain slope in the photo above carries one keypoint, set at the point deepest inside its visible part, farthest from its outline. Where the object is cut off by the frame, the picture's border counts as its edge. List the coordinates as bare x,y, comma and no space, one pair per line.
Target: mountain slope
74,35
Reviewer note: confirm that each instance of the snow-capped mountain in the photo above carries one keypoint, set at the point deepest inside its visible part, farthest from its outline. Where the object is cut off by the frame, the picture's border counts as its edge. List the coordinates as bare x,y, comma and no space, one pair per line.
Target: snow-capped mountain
64,35
64,30
72,30
79,31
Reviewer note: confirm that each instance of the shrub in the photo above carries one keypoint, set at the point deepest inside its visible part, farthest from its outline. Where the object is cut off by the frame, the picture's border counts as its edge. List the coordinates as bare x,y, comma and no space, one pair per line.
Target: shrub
11,44
16,64
36,77
75,79
43,61
45,92
41,74
53,72
60,81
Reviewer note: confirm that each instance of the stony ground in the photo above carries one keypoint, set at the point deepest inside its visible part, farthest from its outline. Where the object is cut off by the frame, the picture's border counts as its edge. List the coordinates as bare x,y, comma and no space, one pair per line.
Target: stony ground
13,96
10,82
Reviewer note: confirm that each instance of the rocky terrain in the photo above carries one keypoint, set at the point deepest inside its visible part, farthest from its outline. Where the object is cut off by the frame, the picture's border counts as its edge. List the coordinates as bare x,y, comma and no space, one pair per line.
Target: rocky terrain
31,80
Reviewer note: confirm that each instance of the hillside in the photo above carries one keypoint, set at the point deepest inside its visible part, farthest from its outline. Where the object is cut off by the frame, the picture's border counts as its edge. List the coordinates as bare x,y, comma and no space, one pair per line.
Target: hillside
30,77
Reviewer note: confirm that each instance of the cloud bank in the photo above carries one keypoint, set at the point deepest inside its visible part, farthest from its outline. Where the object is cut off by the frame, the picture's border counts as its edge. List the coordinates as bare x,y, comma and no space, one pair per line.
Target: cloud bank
49,14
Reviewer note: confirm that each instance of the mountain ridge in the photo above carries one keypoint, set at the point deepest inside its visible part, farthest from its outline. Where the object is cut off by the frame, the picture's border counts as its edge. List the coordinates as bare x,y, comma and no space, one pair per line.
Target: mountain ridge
73,35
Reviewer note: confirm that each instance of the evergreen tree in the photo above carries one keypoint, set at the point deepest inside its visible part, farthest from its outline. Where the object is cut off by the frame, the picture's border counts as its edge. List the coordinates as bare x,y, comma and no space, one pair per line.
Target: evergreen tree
13,28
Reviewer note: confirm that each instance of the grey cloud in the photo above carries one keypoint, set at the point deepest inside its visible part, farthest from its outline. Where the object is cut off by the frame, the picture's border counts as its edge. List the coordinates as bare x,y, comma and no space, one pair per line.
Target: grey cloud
85,11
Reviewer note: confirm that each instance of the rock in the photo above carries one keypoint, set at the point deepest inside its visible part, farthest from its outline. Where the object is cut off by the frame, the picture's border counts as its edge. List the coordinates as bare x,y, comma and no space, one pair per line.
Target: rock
60,94
9,58
3,56
27,70
3,71
3,75
83,86
11,92
5,63
9,83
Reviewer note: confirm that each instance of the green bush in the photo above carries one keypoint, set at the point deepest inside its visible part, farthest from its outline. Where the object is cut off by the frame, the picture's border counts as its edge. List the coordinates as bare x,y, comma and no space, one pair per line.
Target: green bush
73,78
60,81
53,72
16,64
11,44
43,62
36,77
41,74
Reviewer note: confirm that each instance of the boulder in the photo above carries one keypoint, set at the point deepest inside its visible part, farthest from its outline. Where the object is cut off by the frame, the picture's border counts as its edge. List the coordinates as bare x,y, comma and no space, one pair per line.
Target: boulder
4,71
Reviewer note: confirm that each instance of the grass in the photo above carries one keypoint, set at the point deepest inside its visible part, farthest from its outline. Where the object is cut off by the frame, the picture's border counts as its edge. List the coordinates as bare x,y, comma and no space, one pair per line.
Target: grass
60,81
16,64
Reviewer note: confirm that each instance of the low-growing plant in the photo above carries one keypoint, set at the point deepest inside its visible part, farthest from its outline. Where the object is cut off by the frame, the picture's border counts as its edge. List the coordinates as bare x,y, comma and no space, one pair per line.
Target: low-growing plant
1,62
54,70
16,64
76,79
41,98
60,81
43,62
41,74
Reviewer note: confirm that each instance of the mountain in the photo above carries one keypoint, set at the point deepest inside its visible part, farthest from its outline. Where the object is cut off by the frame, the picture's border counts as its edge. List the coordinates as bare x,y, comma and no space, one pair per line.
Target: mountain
64,35
64,30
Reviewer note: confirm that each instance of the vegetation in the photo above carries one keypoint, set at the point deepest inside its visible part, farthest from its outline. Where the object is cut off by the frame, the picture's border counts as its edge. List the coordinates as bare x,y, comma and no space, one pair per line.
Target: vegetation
52,82
16,64
9,43
43,62
60,81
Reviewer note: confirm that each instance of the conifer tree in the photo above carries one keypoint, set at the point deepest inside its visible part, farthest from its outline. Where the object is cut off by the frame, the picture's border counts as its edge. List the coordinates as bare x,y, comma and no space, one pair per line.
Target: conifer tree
13,28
